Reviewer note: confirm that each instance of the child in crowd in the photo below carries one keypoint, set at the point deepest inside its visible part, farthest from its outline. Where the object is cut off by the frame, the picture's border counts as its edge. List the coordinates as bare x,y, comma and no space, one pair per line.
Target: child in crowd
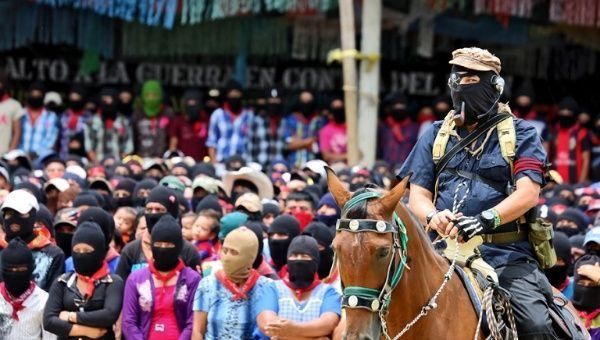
187,223
125,218
206,229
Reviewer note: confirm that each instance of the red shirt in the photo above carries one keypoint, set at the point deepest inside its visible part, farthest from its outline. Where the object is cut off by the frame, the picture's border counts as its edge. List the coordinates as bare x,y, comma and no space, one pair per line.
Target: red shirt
164,323
191,136
569,147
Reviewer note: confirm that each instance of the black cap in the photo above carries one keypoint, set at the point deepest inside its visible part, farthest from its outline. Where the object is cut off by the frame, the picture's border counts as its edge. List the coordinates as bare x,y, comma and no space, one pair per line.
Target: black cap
285,224
320,232
270,208
104,220
17,254
166,197
168,230
90,233
209,202
304,244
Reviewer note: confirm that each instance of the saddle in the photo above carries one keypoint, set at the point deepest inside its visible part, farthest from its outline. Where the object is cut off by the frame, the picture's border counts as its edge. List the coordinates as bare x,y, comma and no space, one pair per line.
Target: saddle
477,275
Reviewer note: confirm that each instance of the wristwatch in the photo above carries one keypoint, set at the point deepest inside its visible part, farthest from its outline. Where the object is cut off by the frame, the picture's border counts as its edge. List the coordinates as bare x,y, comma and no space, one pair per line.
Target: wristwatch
491,218
430,216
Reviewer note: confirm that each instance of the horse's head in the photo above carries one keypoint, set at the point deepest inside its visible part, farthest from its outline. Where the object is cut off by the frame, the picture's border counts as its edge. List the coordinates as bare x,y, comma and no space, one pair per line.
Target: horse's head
369,247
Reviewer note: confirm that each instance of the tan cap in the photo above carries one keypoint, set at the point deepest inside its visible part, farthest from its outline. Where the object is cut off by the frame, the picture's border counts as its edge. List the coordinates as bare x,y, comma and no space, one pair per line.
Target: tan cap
250,201
475,58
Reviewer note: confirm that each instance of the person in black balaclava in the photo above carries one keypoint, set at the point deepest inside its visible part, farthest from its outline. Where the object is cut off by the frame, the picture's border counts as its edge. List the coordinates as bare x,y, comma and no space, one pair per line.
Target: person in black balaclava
166,231
87,262
85,200
259,264
480,98
572,222
123,193
141,191
161,201
233,97
586,294
18,211
324,237
125,102
35,96
213,101
302,272
281,232
17,271
266,132
559,274
189,130
109,106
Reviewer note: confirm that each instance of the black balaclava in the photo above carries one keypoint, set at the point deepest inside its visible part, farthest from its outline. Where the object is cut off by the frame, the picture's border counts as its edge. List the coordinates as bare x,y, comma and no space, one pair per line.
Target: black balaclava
479,98
17,255
77,105
90,233
586,298
125,108
192,111
339,115
108,111
257,228
104,220
567,104
307,109
125,184
324,236
396,113
576,216
302,272
166,230
284,224
234,103
559,273
36,102
146,184
166,197
25,223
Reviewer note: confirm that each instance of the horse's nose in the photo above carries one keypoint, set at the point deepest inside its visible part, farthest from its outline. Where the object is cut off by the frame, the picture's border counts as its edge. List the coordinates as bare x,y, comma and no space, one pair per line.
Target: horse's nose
361,336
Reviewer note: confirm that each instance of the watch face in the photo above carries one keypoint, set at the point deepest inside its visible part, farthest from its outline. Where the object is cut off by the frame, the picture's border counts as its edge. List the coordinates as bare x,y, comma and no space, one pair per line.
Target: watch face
488,215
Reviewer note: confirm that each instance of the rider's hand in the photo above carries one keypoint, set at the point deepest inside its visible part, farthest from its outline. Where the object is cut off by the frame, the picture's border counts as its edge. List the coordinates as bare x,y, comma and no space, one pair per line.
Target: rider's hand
440,221
469,226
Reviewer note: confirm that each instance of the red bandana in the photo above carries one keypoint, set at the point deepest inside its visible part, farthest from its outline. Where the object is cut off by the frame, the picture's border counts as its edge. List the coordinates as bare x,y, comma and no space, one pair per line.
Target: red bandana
91,280
396,128
589,317
162,277
74,118
40,241
239,293
17,304
299,291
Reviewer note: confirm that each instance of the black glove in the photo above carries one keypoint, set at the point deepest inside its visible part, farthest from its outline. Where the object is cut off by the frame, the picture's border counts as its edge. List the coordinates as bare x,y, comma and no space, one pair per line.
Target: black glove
469,226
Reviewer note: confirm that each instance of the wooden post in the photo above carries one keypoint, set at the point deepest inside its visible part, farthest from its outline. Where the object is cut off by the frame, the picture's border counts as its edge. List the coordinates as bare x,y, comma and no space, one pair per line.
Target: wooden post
349,72
368,100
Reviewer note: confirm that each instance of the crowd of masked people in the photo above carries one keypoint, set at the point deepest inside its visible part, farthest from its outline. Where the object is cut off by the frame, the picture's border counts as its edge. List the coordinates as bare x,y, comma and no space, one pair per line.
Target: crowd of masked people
126,217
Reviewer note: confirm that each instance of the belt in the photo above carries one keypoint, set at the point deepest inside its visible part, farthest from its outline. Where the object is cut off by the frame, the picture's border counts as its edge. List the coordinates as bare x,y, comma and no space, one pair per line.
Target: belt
508,237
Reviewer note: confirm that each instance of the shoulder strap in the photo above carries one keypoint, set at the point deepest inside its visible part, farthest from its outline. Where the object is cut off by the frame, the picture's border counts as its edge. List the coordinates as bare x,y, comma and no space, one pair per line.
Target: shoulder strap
442,137
507,135
480,130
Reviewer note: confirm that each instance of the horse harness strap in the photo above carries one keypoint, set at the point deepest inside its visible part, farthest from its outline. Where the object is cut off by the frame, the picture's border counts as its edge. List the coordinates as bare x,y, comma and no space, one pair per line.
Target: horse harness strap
371,299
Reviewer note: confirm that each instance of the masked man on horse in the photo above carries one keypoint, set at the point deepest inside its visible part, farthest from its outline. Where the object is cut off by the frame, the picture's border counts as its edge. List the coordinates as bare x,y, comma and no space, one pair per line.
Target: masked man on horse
496,162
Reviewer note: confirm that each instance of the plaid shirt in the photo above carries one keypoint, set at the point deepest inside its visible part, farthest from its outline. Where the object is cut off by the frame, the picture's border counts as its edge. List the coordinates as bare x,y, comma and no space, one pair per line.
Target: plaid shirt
41,136
265,145
296,126
66,133
114,142
228,135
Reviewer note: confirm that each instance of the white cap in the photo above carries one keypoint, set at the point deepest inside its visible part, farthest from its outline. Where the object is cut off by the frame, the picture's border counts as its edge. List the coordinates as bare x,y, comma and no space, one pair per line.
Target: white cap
77,170
317,166
59,183
20,200
52,97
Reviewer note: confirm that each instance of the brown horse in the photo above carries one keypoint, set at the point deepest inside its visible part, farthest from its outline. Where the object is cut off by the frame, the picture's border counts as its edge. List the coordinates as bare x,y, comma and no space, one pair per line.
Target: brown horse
363,259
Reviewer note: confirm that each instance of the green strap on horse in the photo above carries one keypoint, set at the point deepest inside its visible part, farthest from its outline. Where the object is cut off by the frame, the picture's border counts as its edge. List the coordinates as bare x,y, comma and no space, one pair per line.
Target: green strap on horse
369,298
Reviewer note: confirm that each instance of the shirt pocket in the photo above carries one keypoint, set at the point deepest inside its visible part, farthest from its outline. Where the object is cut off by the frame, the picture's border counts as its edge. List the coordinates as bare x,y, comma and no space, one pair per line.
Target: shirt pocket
494,168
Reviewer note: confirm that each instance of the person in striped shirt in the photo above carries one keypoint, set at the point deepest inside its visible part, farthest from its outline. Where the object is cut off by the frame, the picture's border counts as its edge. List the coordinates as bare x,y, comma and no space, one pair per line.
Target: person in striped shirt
39,126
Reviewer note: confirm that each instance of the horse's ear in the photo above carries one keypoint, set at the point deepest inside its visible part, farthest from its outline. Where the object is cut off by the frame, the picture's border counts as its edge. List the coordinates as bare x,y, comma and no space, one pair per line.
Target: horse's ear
390,200
337,189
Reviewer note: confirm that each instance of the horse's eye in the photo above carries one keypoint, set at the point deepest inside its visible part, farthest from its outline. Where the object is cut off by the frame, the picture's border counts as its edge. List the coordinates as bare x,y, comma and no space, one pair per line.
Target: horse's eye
383,252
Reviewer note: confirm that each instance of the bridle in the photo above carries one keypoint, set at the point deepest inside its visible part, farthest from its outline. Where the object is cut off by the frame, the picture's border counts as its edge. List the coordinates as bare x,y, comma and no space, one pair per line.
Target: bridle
375,300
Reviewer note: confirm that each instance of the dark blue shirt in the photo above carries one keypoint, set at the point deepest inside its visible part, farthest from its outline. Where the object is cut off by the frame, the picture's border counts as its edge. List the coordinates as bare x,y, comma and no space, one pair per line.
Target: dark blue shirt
489,165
